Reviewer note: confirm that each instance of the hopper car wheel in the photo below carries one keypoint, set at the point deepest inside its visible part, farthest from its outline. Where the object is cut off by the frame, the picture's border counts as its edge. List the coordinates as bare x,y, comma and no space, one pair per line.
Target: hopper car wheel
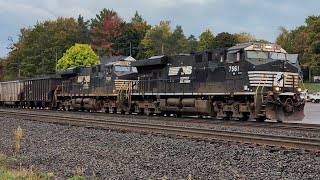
177,115
228,116
123,112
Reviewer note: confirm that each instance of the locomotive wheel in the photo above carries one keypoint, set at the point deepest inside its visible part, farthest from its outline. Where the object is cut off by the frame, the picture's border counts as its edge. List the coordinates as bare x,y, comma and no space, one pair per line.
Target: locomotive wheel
261,119
103,110
226,118
244,118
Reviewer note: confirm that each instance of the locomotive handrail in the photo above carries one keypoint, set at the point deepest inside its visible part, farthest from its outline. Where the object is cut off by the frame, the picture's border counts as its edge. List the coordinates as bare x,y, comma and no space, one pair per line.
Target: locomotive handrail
262,90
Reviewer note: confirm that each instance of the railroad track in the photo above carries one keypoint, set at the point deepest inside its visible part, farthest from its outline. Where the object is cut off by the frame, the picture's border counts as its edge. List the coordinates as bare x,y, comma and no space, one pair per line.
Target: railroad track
298,127
191,132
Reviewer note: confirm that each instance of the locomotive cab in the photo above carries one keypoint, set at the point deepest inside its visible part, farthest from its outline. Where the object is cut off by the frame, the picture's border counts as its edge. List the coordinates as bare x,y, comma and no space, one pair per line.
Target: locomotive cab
97,87
266,70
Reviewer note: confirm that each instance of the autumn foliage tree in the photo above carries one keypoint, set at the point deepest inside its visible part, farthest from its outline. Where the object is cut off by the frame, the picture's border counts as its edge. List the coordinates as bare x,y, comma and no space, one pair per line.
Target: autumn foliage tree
78,55
305,41
224,40
38,47
105,29
161,40
206,40
244,37
132,33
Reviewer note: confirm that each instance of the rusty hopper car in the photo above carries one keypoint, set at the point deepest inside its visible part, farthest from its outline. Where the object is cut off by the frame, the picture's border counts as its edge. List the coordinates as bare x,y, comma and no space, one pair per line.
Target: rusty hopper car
30,93
38,92
11,92
250,80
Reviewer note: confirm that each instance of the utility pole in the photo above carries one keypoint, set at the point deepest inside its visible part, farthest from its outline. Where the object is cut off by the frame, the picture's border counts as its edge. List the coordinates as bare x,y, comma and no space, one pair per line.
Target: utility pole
310,75
56,60
162,49
130,48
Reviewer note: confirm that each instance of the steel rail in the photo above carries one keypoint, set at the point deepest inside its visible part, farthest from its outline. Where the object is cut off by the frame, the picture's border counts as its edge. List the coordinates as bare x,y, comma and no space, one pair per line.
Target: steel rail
191,132
310,128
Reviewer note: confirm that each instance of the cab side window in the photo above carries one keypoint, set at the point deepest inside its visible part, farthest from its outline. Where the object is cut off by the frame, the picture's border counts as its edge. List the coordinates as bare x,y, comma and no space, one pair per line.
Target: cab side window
234,56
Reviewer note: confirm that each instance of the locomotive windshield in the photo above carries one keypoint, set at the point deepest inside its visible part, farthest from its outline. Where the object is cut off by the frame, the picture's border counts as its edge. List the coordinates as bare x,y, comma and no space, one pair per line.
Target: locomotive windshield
125,69
257,55
122,68
280,56
265,55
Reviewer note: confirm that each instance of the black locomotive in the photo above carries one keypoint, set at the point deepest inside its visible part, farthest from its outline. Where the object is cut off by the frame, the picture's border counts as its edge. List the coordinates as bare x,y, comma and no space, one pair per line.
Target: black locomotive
250,80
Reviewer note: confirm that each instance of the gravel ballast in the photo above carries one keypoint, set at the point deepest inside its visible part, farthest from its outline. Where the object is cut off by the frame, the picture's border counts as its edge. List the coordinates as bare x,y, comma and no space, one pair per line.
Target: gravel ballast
209,123
67,151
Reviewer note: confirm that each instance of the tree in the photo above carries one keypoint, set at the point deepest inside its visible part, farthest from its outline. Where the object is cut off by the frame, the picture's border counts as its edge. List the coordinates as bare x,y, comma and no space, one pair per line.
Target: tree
131,36
311,55
192,44
178,42
83,32
262,41
244,37
2,61
40,46
225,40
78,55
304,40
156,40
283,38
105,29
206,40
137,18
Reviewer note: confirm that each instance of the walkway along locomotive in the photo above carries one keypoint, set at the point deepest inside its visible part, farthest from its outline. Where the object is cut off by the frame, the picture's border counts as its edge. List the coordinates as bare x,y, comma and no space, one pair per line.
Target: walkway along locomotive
250,80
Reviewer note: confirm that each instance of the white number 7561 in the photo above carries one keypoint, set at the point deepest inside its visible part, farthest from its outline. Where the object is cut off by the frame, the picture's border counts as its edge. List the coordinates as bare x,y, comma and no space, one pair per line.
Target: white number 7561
234,68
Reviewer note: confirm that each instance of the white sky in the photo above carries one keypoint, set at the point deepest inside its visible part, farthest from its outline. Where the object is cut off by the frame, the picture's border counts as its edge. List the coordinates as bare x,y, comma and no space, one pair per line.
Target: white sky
259,17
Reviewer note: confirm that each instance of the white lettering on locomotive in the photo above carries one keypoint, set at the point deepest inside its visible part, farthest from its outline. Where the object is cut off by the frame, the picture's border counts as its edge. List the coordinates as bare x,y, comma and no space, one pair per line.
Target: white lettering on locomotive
185,70
185,80
234,68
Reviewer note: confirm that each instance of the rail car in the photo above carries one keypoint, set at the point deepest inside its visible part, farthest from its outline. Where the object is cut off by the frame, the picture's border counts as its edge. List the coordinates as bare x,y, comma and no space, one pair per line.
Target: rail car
251,80
247,81
32,92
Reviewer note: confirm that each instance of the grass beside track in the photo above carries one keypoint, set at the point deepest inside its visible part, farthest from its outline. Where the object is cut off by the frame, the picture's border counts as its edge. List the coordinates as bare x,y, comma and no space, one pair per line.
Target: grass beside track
314,87
25,174
6,173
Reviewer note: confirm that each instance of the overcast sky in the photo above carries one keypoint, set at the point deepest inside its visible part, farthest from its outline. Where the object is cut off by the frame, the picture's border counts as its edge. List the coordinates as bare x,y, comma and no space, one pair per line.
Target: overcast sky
259,17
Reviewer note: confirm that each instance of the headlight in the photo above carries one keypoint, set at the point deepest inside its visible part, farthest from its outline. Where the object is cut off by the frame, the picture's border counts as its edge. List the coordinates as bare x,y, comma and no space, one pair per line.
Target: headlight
299,89
277,88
